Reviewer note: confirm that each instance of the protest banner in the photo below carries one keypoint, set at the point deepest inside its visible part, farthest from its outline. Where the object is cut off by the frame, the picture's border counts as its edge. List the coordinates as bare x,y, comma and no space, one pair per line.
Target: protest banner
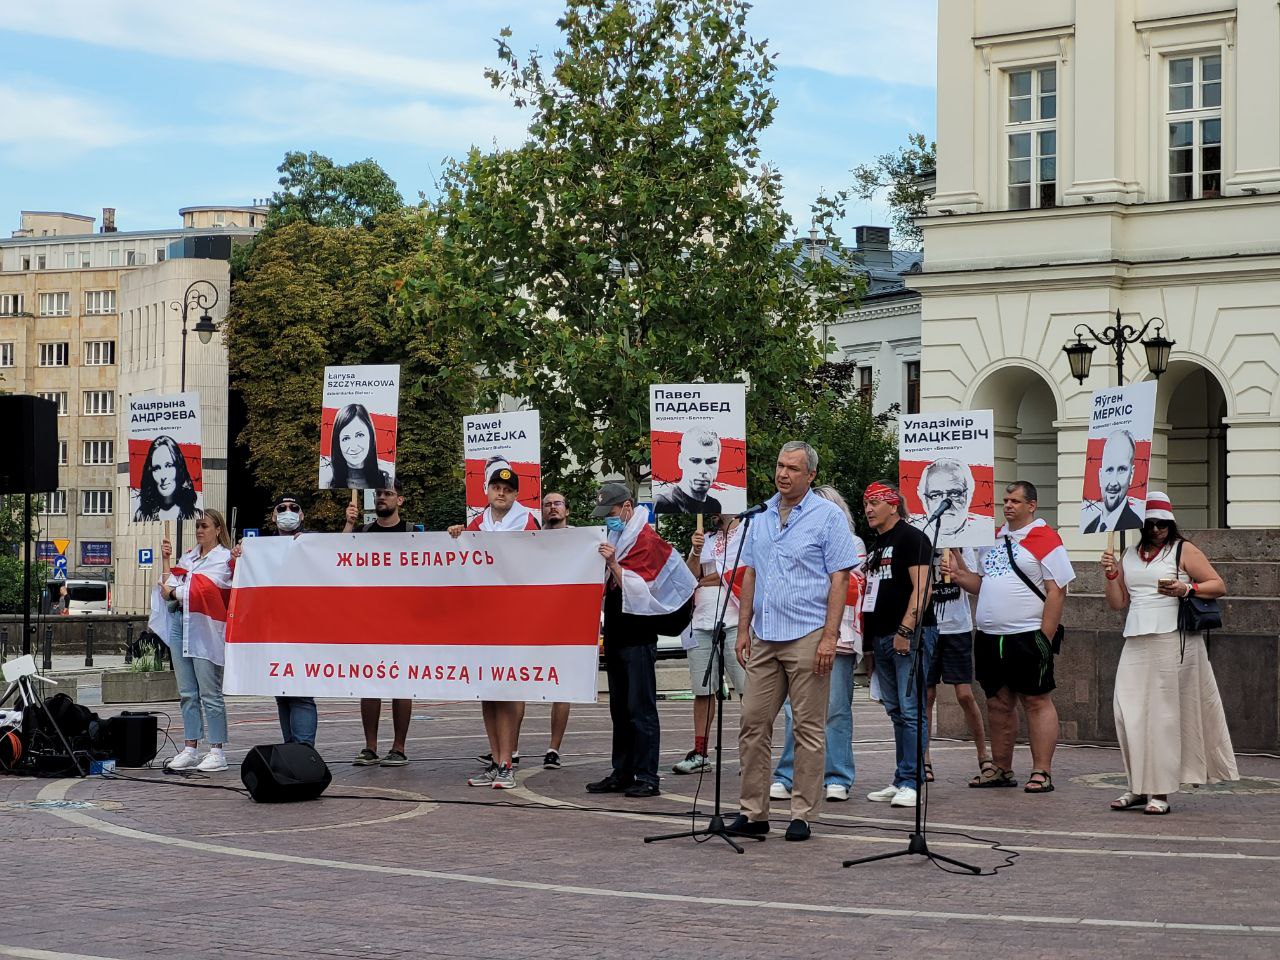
950,456
491,441
358,427
1118,458
487,616
698,447
166,478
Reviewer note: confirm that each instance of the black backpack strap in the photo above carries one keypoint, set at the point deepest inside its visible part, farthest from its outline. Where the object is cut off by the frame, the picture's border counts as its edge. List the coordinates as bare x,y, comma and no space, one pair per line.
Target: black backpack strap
1031,585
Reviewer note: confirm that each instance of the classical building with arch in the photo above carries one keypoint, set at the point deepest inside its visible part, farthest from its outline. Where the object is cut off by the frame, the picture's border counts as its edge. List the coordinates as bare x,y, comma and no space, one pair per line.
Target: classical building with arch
1095,157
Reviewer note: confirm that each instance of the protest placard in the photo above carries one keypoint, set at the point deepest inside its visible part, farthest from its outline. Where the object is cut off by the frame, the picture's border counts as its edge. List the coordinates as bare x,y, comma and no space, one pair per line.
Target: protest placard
166,476
1118,458
698,447
358,427
486,616
950,457
493,441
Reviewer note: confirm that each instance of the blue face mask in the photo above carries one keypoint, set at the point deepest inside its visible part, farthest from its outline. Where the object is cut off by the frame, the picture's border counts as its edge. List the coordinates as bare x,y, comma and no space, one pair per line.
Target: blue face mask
615,524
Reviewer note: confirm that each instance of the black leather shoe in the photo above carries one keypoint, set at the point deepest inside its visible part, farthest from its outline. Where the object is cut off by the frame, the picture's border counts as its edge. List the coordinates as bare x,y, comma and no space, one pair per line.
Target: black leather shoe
797,830
748,828
640,789
610,784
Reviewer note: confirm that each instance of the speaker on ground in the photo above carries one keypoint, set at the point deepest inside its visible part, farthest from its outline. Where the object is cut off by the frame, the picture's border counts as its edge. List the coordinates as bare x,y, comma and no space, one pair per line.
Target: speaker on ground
284,773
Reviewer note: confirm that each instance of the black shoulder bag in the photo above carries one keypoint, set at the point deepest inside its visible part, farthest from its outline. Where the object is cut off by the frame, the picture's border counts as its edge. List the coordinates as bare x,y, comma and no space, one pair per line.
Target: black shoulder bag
1056,641
1196,614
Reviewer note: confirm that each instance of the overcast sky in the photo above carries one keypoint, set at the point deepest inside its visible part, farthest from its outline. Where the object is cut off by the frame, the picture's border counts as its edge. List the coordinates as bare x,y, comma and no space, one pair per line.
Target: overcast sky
151,105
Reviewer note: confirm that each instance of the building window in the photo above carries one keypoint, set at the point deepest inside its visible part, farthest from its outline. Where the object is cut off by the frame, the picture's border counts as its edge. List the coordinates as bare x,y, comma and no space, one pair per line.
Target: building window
113,258
26,263
55,304
95,503
99,353
220,218
1195,127
62,453
913,386
54,354
6,354
85,260
100,301
69,260
99,402
42,261
59,397
1031,138
159,254
866,384
11,304
98,452
55,503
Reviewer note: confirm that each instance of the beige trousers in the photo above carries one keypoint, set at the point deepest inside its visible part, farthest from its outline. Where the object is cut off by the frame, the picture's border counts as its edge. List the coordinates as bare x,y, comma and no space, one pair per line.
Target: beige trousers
774,671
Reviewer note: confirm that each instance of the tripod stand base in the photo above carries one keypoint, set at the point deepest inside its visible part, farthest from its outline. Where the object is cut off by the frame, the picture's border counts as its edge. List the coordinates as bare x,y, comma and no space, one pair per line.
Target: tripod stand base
715,828
916,846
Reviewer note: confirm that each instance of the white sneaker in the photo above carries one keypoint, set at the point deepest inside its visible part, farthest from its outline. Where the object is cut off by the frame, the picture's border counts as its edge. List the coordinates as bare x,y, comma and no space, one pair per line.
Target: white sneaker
185,760
779,791
883,796
836,791
906,797
214,761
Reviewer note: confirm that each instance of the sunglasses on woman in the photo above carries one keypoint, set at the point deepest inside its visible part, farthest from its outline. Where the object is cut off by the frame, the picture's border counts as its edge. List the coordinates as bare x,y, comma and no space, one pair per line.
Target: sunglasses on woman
1158,524
288,508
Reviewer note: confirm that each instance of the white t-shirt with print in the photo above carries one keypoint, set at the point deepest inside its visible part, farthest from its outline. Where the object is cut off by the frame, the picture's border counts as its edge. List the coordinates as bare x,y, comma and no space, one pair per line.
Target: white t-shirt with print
1005,603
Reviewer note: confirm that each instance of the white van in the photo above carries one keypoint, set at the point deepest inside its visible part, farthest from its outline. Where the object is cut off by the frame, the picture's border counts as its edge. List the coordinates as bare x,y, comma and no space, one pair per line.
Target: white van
88,597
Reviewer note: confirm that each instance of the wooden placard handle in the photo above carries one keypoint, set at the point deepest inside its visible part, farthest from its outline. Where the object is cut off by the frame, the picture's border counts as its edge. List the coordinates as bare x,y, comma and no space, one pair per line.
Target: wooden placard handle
946,557
699,523
1111,542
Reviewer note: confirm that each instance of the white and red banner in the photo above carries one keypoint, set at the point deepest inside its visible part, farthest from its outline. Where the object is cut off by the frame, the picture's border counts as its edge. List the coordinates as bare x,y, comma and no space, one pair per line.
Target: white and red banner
950,457
491,441
487,616
655,578
698,447
358,427
166,478
1118,458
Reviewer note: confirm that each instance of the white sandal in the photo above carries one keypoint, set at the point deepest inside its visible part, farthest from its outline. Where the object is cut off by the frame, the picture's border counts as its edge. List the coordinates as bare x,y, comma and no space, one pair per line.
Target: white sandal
1129,800
1156,808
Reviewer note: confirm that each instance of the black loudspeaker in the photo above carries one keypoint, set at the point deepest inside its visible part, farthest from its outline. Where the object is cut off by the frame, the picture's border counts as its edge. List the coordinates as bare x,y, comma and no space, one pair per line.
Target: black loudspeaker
284,773
132,738
29,441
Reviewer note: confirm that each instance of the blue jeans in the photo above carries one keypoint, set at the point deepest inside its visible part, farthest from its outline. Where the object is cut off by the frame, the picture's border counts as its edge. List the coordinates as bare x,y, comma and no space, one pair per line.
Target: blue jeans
298,719
894,672
840,767
199,690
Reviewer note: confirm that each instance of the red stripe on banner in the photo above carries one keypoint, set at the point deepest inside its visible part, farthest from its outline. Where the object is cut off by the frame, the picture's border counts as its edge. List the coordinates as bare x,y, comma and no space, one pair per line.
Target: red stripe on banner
984,478
483,616
1141,467
138,450
384,427
205,597
664,455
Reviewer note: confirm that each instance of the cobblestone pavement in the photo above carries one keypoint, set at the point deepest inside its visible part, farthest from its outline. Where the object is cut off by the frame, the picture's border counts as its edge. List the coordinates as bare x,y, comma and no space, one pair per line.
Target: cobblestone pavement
410,862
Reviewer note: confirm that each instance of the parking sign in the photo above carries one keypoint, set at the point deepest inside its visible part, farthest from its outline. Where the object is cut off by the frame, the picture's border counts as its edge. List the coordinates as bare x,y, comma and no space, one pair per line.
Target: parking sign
146,556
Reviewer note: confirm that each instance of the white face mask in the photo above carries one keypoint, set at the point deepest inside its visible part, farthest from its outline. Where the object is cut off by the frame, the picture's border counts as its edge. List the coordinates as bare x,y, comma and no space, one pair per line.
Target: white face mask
288,522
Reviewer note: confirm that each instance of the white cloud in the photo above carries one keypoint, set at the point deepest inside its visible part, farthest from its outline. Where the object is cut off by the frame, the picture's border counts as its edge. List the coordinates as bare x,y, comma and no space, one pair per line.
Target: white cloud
40,125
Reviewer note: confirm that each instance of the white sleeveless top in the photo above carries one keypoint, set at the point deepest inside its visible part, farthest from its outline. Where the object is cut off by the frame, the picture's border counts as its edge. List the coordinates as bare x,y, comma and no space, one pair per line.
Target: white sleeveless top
1149,610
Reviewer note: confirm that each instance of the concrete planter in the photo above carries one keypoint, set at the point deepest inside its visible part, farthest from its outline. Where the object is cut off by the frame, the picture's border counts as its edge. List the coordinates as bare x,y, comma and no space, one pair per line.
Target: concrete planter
126,686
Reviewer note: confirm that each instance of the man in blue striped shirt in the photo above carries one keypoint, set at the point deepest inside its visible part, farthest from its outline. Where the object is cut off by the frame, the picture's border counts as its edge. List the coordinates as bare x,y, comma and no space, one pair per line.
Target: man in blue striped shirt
795,582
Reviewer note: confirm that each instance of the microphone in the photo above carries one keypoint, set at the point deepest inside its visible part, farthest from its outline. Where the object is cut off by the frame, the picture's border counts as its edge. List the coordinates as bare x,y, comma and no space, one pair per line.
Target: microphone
755,511
942,508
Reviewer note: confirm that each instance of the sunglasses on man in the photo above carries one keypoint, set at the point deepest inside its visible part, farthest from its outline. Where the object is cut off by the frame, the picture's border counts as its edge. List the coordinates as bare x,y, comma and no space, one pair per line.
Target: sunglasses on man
288,508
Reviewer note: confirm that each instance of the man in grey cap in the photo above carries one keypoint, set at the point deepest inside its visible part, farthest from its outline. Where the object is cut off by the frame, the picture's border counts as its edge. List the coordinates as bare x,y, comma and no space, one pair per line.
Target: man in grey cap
646,580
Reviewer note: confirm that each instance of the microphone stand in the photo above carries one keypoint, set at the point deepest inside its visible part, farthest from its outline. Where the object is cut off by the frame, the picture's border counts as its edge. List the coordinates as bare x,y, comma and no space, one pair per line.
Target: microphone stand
716,827
917,845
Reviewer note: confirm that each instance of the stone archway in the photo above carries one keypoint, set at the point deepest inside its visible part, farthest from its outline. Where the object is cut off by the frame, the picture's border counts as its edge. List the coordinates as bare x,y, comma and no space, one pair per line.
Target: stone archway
1190,459
1025,408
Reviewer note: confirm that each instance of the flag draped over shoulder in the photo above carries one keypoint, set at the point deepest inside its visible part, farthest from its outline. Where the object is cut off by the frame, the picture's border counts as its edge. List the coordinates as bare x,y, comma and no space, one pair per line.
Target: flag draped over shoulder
203,584
655,581
519,517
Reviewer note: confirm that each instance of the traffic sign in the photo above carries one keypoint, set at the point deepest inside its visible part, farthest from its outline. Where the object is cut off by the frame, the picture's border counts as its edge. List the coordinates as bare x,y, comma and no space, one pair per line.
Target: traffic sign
61,544
250,531
60,568
146,556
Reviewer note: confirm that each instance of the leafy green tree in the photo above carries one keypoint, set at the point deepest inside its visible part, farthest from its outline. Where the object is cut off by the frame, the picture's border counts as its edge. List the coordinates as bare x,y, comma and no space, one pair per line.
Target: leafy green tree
312,296
325,194
634,238
11,536
900,174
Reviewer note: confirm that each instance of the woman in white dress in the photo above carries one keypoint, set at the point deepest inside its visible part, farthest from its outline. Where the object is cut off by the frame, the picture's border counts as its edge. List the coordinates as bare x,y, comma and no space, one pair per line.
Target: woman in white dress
1169,717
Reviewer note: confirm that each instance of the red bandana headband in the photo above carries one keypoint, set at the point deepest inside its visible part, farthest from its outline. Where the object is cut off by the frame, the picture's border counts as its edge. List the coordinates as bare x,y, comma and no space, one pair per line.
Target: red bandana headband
878,491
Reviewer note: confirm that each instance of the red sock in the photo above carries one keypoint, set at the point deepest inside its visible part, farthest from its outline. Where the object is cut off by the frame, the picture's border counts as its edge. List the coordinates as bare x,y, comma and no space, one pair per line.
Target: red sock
700,745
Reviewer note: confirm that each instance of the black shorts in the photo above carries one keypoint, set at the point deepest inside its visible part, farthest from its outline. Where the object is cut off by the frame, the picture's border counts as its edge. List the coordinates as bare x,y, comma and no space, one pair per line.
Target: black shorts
1023,662
952,659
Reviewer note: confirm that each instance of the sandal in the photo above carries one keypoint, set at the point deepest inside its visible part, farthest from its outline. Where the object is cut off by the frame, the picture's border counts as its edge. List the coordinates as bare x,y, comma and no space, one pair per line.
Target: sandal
993,776
1129,800
1156,808
928,773
1039,782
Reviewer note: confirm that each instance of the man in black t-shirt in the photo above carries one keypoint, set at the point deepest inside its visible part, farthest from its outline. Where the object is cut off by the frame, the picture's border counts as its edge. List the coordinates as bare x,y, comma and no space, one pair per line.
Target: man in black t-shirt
386,507
897,574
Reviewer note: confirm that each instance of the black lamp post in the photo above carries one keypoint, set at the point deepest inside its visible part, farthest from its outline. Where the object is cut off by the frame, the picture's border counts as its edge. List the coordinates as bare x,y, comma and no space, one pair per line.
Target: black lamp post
197,296
1118,336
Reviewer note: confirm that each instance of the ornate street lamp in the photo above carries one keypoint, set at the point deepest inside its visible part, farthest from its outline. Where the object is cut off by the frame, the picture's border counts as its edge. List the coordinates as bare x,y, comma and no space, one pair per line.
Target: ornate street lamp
1118,336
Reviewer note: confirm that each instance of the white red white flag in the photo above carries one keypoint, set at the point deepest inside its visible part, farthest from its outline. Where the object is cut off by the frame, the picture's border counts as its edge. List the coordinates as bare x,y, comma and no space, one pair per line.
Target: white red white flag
655,580
487,616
